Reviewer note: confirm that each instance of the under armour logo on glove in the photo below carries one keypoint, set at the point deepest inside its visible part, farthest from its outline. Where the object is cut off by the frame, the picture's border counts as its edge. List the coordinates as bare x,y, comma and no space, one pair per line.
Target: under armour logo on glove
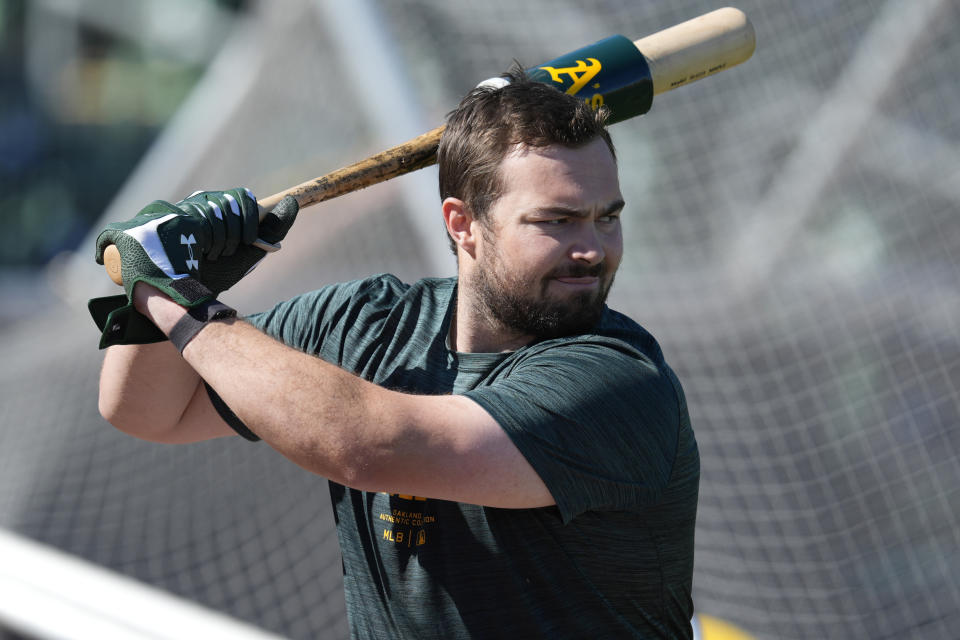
192,263
191,251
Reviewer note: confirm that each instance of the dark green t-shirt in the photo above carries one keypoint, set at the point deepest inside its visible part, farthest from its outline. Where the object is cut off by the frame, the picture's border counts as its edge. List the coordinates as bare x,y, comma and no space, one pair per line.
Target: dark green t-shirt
602,419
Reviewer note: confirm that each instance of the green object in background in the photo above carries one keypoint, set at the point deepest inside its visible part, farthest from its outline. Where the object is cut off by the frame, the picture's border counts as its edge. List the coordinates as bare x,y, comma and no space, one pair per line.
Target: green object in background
611,73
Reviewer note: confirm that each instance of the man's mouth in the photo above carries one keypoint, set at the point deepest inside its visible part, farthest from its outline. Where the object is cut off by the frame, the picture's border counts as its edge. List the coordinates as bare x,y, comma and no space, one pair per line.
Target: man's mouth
579,276
578,280
579,272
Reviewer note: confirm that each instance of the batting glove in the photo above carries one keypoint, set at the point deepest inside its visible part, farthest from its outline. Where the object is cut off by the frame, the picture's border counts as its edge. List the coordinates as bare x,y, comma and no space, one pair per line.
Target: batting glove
191,251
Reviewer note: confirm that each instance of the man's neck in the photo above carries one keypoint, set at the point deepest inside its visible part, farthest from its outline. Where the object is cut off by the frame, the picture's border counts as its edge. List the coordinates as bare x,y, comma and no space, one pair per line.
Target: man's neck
472,331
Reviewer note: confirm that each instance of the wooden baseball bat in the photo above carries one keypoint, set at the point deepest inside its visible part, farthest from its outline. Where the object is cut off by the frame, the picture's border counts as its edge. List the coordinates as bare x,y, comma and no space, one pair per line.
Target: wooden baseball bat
665,60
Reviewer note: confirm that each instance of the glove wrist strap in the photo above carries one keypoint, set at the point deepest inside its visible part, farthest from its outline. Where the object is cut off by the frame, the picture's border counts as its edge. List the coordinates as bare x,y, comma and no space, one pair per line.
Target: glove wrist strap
195,319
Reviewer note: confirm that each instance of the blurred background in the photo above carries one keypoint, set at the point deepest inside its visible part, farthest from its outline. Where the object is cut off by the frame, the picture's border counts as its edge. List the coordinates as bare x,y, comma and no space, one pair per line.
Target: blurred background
793,241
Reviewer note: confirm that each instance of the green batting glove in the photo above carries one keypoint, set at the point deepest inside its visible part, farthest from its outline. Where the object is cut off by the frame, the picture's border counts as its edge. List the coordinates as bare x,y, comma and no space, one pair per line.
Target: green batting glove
191,251
229,261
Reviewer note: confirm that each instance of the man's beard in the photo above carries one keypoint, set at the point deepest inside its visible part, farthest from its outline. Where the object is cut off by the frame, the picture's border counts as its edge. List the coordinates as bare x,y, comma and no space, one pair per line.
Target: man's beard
517,304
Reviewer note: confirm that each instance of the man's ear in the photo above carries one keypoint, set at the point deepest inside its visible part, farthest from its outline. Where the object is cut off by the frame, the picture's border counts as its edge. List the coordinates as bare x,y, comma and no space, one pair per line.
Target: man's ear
459,221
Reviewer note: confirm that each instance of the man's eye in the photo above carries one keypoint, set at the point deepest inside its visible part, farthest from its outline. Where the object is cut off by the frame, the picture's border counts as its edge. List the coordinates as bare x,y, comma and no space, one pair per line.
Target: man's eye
608,219
555,221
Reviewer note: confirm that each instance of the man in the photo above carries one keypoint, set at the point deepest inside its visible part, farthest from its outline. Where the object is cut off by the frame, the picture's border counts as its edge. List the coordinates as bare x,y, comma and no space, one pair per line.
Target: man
507,456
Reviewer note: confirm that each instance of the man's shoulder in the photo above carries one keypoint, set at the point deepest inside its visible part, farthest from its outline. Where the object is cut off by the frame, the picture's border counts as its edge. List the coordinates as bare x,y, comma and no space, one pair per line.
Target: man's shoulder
377,286
370,295
618,351
618,326
615,332
378,289
389,285
356,311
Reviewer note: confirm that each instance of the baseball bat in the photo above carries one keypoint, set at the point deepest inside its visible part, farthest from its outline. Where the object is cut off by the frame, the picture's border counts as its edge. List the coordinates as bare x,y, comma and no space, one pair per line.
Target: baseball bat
615,72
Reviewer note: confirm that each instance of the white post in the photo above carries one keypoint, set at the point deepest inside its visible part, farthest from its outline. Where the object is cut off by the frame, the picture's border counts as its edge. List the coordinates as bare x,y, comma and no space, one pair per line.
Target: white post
49,594
385,95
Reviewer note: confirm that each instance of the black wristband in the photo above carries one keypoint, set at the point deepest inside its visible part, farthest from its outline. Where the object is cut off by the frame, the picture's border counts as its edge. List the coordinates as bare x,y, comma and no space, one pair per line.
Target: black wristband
229,416
195,319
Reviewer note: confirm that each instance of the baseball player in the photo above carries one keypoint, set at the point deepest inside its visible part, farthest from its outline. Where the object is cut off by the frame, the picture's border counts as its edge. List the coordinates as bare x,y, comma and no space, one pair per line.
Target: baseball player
507,456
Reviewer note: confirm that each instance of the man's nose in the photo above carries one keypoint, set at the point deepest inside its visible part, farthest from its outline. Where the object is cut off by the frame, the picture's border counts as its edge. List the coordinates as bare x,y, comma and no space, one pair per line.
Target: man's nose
588,246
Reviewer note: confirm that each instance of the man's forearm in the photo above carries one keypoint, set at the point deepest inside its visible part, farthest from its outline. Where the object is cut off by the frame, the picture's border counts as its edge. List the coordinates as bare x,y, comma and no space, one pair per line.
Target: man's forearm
150,391
309,410
145,389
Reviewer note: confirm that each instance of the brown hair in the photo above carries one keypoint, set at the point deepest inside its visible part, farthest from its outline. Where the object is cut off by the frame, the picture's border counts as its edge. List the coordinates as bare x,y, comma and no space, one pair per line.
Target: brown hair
491,121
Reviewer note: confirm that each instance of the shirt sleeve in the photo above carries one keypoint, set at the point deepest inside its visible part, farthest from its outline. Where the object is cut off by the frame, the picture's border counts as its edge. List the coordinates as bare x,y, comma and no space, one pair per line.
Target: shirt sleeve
598,421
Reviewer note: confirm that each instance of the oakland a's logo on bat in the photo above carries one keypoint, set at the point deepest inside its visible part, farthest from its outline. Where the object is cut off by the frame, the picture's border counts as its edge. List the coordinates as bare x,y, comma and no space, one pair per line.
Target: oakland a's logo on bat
580,74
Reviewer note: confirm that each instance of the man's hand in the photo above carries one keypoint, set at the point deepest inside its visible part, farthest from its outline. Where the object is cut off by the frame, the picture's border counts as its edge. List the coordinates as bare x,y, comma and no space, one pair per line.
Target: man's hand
191,251
166,243
228,261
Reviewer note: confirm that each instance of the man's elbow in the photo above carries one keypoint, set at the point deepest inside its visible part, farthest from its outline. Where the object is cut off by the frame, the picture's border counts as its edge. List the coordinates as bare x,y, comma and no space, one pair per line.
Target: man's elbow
349,458
338,461
138,424
109,408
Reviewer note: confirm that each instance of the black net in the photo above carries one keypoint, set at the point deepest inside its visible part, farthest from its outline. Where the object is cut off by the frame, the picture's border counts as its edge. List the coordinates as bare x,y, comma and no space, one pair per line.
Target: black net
792,240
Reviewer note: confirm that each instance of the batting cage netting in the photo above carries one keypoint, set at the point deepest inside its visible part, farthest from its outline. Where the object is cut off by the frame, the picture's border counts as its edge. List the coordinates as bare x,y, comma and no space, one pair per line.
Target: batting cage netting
792,239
